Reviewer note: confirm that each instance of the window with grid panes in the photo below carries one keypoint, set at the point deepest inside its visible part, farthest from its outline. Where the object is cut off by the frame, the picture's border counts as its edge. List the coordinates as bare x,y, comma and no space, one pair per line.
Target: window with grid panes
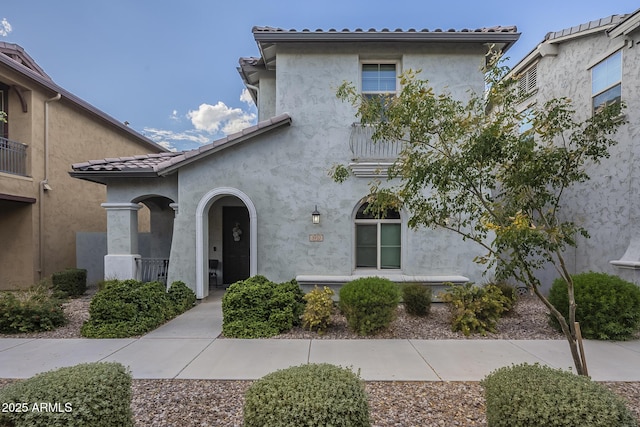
606,81
378,239
378,79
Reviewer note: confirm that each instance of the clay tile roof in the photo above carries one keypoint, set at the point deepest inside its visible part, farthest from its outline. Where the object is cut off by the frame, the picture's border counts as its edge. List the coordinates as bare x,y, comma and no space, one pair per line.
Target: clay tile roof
139,162
496,29
587,26
157,163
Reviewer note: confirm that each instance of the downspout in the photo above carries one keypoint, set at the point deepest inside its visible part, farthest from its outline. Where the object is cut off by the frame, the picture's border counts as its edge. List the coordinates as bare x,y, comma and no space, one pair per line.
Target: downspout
44,184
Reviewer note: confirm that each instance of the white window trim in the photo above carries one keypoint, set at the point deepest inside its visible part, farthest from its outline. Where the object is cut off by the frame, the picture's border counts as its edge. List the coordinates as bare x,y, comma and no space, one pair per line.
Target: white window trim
403,242
611,86
396,62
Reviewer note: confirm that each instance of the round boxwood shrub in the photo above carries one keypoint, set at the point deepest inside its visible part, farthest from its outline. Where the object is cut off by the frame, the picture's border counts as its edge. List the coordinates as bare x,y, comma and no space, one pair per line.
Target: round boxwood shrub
91,394
417,299
369,304
534,395
608,308
307,395
257,307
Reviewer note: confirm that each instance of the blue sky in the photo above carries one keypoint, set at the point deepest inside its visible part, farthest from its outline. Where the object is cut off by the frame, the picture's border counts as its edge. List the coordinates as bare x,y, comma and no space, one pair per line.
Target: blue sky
169,68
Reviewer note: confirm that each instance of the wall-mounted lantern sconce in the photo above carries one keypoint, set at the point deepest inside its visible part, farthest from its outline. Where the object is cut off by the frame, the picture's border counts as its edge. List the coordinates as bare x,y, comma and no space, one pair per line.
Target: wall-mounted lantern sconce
315,216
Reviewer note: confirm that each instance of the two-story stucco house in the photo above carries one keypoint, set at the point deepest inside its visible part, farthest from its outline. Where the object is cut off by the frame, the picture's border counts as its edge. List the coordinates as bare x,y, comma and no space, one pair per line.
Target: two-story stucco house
45,128
591,64
262,202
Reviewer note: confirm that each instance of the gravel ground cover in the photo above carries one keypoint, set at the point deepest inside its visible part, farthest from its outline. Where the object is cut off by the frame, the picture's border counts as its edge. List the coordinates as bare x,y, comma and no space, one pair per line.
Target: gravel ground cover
185,403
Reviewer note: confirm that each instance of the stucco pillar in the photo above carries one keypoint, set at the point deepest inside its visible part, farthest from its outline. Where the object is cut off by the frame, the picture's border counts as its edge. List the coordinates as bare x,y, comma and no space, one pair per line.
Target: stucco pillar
122,240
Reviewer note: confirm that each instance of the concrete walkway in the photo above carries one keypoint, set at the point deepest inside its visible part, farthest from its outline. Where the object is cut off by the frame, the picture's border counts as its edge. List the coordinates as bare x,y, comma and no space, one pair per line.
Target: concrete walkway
188,348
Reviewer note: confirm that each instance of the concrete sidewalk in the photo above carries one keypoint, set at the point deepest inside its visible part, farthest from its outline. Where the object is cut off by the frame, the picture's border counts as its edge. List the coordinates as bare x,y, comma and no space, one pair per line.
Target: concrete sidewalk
188,348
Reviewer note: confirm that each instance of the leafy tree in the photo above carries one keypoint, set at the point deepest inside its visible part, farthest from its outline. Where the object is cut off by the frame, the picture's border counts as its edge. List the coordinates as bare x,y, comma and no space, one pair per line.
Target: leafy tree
467,167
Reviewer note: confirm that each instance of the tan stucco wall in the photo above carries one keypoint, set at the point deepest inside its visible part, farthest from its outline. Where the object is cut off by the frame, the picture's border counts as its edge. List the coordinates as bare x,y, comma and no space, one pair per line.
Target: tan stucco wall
72,205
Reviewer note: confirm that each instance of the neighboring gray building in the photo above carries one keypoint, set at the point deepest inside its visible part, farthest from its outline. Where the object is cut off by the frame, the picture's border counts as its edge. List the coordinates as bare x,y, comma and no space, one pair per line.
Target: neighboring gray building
593,63
246,201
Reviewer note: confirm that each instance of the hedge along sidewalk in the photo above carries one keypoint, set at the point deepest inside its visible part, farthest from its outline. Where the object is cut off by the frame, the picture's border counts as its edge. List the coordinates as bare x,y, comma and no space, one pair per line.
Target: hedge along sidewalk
187,348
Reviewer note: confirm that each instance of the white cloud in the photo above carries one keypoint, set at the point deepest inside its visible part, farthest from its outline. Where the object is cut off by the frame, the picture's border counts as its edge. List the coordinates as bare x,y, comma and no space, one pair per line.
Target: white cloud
245,97
5,27
213,118
210,122
168,138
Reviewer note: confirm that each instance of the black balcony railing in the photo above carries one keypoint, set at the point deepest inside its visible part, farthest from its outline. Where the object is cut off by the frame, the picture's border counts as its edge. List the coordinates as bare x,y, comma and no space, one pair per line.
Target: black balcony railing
13,157
153,269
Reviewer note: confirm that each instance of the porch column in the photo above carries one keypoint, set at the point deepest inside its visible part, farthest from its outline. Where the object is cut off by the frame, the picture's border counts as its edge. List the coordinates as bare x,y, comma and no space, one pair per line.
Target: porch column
122,241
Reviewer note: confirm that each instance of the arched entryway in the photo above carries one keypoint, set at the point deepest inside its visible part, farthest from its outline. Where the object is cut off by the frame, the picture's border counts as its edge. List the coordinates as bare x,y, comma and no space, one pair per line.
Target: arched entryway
226,227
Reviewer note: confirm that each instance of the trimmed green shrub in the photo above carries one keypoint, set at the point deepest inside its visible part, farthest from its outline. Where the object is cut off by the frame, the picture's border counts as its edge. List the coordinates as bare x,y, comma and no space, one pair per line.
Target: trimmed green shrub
91,394
307,395
369,304
181,296
534,395
417,299
317,312
127,308
475,309
33,310
71,282
257,307
608,308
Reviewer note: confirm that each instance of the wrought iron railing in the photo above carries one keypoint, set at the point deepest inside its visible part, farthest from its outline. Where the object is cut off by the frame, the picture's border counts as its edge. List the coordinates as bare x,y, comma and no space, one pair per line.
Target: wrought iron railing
153,269
13,157
364,148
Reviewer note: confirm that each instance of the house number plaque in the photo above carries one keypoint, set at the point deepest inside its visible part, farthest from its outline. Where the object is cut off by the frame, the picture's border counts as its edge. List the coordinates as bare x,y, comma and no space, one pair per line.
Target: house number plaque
316,237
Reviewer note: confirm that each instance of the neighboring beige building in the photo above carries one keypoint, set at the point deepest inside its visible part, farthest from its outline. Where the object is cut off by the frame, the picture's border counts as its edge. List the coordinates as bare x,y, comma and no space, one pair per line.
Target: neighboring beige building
41,206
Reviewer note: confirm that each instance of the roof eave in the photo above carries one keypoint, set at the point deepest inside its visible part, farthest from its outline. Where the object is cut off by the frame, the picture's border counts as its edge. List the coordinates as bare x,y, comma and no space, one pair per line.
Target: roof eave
101,177
418,36
83,105
630,24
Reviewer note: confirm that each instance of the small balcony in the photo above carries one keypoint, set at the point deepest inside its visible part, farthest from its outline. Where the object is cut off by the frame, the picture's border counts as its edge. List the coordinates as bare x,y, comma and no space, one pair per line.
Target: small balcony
13,157
368,158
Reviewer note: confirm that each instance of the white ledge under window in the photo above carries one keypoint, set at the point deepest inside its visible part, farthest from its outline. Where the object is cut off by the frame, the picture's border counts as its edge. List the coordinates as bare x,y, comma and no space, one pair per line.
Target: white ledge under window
370,169
631,258
322,279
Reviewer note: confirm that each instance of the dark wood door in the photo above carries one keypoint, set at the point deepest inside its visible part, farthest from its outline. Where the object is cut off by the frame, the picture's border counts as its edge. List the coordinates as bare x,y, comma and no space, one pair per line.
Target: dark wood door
235,244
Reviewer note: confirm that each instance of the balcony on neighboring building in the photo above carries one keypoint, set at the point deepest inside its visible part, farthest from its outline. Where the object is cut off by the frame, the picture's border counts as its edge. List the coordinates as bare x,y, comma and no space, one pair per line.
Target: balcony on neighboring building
13,157
371,158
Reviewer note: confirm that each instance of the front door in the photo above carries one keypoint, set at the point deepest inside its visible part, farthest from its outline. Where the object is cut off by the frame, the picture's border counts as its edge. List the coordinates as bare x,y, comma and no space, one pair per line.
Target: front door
235,244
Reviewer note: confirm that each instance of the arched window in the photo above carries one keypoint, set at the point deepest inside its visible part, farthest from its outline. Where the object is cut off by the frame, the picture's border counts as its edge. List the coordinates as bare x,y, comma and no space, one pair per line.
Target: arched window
378,239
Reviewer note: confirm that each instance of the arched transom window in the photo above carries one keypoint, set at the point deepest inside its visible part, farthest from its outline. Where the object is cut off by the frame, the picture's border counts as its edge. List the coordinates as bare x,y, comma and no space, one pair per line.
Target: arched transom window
378,239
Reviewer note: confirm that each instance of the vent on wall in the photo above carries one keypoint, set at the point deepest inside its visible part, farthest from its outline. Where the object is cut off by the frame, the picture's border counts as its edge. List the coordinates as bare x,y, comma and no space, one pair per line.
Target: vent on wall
528,82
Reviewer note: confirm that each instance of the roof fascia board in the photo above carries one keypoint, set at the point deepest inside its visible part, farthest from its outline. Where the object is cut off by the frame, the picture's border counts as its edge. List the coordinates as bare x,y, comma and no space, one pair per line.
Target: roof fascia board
627,26
83,105
101,177
444,36
164,171
525,62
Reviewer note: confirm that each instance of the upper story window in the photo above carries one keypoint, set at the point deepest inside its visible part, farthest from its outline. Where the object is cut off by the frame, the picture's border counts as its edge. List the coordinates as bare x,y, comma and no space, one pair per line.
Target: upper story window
606,81
379,79
378,239
526,122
